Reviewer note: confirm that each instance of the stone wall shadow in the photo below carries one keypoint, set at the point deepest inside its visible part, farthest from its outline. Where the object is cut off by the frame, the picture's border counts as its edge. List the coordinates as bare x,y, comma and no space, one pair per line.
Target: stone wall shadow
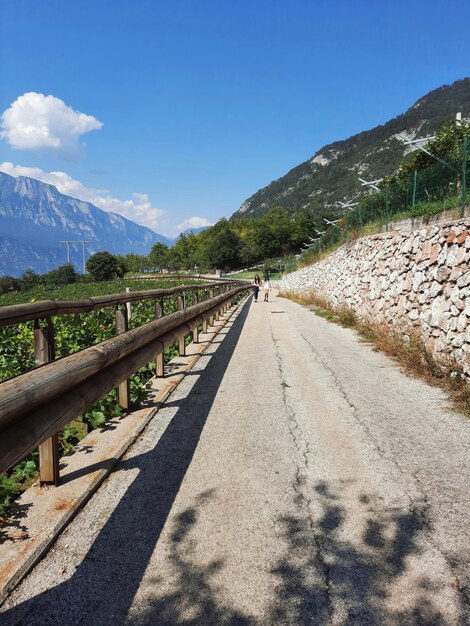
103,587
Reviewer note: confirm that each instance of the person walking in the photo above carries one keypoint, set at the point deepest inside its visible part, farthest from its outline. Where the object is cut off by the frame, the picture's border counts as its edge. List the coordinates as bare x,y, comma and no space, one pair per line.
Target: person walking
266,287
256,284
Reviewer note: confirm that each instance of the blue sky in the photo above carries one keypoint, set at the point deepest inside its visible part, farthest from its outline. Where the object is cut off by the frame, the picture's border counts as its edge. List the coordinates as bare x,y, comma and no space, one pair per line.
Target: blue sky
190,106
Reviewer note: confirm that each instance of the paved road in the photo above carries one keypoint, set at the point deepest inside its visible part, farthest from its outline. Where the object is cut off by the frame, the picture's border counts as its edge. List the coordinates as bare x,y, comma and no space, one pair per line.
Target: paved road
295,477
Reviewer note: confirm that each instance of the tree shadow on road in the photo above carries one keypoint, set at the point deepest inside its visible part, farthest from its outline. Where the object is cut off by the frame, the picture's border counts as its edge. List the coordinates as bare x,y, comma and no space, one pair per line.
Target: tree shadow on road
330,576
193,596
323,577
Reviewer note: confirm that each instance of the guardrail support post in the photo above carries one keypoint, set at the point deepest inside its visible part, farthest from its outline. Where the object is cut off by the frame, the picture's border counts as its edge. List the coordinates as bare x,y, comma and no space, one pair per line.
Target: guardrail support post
211,318
159,363
217,314
196,328
44,352
122,326
181,344
226,303
205,322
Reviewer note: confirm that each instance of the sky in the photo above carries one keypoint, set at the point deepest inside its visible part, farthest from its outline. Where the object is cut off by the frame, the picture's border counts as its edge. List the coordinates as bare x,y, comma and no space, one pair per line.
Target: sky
174,112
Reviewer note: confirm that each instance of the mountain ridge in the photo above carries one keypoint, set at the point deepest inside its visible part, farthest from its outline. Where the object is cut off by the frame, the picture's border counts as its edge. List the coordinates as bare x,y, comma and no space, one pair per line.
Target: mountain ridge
331,174
35,217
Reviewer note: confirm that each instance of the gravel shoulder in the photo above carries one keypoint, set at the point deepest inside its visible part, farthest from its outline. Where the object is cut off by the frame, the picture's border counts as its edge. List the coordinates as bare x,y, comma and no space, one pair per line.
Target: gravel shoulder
295,476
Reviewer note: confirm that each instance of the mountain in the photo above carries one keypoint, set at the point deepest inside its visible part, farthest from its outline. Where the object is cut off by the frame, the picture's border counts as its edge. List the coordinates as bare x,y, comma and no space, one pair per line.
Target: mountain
35,218
332,174
195,231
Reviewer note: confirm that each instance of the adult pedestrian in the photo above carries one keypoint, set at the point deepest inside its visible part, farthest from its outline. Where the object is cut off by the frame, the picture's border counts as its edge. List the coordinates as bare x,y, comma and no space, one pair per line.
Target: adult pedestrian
256,284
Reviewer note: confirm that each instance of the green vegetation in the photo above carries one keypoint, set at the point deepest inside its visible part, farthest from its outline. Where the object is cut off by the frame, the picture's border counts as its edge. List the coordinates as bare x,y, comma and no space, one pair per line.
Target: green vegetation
103,266
231,244
73,333
63,275
250,274
85,289
422,186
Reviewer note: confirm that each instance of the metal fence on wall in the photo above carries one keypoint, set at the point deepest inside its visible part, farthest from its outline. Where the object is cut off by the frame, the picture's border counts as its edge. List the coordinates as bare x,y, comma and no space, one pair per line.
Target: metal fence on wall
442,185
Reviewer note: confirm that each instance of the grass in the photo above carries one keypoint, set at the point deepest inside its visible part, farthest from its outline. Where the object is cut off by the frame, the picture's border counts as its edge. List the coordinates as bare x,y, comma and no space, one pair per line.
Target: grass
409,350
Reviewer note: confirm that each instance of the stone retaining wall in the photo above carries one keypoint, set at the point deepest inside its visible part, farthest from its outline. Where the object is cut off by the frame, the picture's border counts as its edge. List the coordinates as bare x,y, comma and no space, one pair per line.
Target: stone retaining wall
417,279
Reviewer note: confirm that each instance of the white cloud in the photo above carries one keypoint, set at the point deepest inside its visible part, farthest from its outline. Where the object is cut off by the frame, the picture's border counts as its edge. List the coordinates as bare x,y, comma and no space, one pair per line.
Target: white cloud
142,197
35,121
139,209
194,222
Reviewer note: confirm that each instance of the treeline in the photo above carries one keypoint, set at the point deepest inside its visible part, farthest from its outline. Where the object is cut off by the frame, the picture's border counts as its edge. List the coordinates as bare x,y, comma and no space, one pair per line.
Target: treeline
227,245
235,243
100,266
63,275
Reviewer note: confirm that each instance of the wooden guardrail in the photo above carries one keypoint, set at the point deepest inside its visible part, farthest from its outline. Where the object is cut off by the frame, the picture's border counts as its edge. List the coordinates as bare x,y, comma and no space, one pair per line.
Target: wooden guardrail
43,309
35,405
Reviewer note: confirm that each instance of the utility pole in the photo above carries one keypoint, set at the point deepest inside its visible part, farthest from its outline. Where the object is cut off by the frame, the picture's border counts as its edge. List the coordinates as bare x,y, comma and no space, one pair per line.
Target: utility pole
83,242
68,249
84,264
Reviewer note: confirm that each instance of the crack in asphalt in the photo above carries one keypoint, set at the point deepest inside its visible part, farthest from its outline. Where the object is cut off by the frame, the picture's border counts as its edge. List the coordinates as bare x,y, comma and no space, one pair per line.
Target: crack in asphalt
303,448
420,508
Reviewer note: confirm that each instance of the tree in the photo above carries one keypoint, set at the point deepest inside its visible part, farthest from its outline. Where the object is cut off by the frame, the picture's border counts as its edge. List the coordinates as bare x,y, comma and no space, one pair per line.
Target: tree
158,256
135,262
29,280
303,226
224,246
102,266
279,220
63,275
8,283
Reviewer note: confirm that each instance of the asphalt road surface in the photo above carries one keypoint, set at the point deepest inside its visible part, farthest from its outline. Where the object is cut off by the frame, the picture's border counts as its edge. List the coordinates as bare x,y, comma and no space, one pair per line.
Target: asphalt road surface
296,476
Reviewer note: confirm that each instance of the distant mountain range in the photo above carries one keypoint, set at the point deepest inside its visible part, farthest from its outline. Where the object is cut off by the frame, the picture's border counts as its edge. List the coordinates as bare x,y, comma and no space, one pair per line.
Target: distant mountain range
332,174
35,218
195,231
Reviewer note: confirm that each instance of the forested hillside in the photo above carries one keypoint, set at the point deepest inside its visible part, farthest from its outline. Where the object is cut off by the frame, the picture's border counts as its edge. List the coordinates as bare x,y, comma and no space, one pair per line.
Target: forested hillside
332,174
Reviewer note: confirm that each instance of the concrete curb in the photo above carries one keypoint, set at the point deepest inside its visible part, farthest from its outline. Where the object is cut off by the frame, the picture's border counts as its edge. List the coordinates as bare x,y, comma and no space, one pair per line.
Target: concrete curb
45,512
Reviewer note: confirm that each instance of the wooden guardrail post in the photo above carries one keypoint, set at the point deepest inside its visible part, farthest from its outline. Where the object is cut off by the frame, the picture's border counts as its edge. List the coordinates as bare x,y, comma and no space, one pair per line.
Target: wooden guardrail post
220,292
212,293
122,326
205,322
159,362
225,308
181,344
196,328
44,352
226,305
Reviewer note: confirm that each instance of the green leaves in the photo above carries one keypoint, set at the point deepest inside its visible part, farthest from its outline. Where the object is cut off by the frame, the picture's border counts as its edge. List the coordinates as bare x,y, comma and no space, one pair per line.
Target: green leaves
73,333
102,265
8,491
25,469
95,419
16,350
